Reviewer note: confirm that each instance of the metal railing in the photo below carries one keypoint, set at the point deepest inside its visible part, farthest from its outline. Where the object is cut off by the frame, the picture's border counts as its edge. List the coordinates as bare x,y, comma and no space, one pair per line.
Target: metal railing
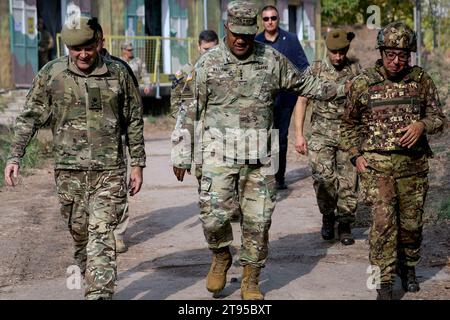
162,55
160,65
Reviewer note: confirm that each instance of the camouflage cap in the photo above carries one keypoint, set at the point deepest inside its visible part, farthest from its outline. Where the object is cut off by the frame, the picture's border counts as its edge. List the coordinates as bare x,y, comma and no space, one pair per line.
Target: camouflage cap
242,17
338,39
79,31
127,45
397,35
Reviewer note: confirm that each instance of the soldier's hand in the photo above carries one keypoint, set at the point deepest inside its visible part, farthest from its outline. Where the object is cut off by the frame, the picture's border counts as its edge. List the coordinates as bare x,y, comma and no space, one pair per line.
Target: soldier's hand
413,133
147,90
301,145
135,180
11,171
179,173
361,164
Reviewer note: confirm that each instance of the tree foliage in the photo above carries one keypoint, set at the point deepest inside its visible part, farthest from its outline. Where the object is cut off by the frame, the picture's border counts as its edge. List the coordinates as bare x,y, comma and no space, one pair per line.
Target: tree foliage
435,16
345,12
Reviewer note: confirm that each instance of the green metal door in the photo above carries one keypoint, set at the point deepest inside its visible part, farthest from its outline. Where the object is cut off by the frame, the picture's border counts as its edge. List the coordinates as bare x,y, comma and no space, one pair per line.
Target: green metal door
135,18
24,41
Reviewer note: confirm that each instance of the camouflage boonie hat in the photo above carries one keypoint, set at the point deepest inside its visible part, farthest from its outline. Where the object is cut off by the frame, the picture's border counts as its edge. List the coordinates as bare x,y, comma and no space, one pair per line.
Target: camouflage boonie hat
79,31
397,35
338,39
242,17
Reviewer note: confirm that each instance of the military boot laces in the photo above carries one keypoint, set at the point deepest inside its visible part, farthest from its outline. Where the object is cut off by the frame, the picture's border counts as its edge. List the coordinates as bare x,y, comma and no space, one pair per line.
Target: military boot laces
250,284
385,292
217,275
409,279
327,227
345,234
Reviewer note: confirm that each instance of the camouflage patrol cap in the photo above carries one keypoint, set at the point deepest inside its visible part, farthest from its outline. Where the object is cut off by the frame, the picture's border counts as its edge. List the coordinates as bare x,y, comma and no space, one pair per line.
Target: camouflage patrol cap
242,17
397,35
79,31
338,39
127,45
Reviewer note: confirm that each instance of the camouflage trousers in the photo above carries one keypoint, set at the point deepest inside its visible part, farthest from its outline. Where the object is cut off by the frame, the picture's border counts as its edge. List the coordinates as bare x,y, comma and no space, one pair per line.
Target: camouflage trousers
335,180
235,208
257,201
92,202
394,187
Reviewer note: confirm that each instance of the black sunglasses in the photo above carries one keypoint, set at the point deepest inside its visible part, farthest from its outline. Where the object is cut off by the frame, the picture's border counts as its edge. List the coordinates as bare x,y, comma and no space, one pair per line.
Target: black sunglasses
273,18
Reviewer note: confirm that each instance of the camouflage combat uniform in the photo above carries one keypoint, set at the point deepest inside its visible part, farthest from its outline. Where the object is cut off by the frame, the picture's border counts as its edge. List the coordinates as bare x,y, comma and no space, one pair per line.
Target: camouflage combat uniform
394,183
335,178
235,94
87,115
139,69
181,96
45,47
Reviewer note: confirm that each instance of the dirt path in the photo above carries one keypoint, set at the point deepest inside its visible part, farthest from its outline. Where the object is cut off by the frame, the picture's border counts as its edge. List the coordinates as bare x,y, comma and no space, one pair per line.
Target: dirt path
168,258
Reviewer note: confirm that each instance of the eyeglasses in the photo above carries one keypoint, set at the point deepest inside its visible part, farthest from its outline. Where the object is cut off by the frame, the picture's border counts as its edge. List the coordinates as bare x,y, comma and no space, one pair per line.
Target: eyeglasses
273,18
402,56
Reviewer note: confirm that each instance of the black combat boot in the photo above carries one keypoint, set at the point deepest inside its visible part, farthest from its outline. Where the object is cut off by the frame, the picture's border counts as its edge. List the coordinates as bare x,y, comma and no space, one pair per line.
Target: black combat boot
345,234
385,292
328,226
409,279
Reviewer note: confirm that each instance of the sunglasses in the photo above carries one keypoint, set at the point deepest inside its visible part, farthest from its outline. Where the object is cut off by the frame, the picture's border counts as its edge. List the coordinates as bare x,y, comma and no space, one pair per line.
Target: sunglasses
273,18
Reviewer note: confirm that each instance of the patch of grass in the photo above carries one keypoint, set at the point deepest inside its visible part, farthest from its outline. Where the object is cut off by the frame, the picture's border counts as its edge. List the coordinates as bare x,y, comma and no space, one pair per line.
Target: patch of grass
35,153
151,119
444,209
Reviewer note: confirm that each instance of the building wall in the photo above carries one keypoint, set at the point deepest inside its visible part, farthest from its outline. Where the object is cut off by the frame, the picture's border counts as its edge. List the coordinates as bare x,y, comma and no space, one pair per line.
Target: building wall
5,48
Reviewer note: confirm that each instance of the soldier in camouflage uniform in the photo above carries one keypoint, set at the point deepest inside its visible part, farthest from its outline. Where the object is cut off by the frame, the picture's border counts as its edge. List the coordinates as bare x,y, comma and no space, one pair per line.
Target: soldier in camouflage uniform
137,65
88,102
235,86
391,109
182,94
335,179
45,44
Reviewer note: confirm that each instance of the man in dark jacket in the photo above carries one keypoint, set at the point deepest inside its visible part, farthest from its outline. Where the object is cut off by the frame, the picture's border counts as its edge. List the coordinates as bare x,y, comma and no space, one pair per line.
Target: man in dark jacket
287,43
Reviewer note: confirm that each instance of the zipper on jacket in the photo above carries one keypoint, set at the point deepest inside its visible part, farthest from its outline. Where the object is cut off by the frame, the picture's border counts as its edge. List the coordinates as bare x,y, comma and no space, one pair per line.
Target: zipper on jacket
88,124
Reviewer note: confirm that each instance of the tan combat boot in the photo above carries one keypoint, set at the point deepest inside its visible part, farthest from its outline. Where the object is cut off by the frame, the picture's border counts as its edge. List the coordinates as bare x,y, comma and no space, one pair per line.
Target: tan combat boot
121,247
217,275
250,283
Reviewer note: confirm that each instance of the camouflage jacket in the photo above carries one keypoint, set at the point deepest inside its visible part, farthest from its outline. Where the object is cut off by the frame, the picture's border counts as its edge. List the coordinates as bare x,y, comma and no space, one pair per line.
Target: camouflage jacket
327,116
87,115
140,70
182,101
236,96
377,108
182,90
107,56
